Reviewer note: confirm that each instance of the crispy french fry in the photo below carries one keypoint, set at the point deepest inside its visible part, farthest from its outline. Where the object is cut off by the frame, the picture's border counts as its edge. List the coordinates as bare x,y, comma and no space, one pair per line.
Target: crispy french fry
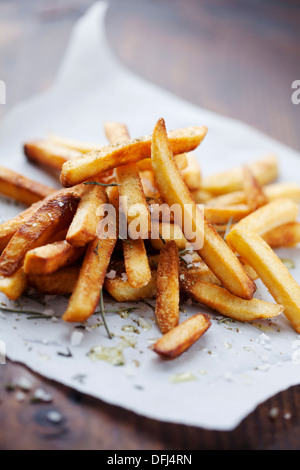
254,193
218,215
9,228
136,263
183,336
83,228
284,235
50,258
191,175
215,252
264,170
276,277
220,300
22,189
167,300
268,217
119,288
87,291
53,215
94,163
60,282
49,154
14,286
131,195
272,192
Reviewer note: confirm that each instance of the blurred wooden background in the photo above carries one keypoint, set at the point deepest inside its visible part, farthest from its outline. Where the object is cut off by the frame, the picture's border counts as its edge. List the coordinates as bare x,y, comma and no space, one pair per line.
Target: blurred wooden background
237,58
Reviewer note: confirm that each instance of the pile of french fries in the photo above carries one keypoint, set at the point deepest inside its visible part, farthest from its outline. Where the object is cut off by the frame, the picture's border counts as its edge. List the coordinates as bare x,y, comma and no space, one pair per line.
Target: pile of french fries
59,245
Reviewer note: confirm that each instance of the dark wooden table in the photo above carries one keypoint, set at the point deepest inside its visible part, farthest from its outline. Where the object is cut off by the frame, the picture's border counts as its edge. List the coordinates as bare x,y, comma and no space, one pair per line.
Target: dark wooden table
237,58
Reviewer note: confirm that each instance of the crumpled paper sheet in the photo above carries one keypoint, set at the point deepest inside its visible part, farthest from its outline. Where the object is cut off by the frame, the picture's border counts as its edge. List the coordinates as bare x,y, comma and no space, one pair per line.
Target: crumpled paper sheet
235,366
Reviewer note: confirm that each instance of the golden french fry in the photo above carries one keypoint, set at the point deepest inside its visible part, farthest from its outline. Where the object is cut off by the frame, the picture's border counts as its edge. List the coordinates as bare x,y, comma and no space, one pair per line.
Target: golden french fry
167,300
136,263
14,286
87,291
53,215
94,163
254,193
22,189
60,282
83,228
268,217
50,258
276,277
9,228
183,336
284,235
218,215
215,252
272,192
191,175
149,184
219,299
117,285
49,154
264,170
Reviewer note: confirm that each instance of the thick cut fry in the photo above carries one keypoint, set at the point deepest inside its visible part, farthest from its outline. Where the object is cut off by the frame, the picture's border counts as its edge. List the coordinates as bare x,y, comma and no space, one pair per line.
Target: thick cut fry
254,193
167,301
136,263
131,195
9,228
94,163
47,153
218,215
183,336
192,173
215,252
118,287
83,228
50,258
268,217
272,272
264,170
87,291
284,235
60,282
220,300
272,192
14,286
22,189
54,215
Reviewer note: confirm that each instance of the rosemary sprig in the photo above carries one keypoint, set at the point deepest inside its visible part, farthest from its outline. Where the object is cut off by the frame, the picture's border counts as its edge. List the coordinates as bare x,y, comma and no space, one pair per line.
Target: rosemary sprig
23,312
149,305
95,183
103,315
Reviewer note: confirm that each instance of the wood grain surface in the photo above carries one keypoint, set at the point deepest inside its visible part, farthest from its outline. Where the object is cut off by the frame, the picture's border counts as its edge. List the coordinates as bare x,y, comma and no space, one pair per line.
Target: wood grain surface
237,58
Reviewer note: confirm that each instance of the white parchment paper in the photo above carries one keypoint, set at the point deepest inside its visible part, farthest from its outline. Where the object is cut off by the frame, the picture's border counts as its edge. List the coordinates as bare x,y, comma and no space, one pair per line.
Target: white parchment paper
235,366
